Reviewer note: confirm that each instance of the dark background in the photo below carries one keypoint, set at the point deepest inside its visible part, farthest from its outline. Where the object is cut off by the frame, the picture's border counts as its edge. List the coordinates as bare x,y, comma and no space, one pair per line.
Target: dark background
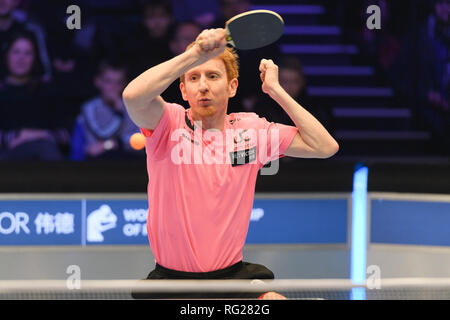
387,105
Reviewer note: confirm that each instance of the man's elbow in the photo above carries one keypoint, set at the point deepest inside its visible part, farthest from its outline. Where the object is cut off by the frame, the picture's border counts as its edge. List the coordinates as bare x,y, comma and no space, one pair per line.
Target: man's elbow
127,96
131,100
330,150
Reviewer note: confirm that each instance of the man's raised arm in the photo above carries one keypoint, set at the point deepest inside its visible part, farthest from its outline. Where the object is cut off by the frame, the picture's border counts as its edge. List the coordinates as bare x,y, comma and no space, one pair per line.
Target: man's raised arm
312,139
142,95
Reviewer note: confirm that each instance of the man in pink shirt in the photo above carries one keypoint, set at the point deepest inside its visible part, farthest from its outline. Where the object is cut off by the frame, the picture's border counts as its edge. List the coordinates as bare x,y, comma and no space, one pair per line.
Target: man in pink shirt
203,163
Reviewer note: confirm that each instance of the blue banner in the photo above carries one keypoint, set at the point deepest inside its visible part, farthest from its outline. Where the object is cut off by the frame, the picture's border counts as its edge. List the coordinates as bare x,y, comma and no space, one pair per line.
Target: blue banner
299,221
410,222
36,222
123,222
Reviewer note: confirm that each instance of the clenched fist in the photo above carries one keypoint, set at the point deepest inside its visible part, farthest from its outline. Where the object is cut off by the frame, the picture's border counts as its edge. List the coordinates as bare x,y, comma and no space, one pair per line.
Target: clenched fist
210,43
269,76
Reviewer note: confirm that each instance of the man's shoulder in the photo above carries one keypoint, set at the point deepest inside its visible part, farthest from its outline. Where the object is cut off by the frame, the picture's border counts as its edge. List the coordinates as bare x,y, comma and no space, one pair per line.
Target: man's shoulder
175,107
174,111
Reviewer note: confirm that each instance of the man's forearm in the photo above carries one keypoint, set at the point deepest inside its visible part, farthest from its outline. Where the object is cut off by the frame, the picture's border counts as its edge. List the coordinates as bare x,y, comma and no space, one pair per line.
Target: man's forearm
312,131
151,83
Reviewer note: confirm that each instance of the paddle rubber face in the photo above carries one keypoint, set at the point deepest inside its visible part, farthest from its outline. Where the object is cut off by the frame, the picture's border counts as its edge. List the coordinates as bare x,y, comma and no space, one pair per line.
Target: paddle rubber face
254,29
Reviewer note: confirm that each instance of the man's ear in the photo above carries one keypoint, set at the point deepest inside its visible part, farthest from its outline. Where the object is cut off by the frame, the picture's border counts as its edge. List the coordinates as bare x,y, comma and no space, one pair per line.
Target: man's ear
183,91
232,87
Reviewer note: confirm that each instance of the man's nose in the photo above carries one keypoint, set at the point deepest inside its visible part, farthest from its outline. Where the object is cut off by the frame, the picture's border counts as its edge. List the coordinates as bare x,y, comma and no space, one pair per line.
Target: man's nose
203,84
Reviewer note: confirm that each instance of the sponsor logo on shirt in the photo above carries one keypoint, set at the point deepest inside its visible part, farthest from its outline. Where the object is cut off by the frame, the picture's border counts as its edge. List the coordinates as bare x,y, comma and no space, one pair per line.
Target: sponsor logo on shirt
241,157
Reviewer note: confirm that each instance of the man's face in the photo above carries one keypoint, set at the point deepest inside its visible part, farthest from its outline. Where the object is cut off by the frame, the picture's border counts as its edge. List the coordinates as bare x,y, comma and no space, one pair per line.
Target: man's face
207,89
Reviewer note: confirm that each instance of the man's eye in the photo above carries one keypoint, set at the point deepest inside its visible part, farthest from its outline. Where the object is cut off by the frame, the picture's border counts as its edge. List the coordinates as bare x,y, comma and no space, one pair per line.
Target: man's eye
213,76
193,78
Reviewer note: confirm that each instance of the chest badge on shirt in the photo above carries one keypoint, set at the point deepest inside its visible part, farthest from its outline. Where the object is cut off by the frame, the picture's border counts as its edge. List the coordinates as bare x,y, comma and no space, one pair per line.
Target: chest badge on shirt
241,138
241,157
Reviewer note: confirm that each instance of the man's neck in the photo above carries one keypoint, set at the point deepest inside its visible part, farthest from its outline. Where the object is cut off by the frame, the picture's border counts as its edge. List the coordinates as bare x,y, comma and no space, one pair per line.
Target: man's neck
215,121
6,21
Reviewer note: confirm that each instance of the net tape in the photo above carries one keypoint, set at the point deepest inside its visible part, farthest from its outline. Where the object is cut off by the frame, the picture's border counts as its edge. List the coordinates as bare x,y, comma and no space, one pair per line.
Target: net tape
329,289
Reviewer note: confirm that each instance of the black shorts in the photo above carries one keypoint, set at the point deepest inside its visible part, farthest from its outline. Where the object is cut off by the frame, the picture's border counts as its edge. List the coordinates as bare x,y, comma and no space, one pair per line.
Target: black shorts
240,270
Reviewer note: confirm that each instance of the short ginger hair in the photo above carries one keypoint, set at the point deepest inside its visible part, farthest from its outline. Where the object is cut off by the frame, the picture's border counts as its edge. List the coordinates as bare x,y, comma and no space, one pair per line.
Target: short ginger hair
229,58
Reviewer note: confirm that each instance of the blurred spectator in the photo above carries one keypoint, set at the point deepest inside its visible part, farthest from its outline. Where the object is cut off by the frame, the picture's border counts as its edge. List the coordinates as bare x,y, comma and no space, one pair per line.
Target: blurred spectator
423,72
381,47
11,24
439,34
435,81
148,45
103,128
53,16
230,8
184,33
378,47
28,119
158,19
72,82
292,80
204,13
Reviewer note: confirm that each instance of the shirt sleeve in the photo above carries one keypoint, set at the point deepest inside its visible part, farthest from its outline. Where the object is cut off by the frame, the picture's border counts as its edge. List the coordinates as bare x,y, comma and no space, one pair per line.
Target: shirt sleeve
158,140
276,141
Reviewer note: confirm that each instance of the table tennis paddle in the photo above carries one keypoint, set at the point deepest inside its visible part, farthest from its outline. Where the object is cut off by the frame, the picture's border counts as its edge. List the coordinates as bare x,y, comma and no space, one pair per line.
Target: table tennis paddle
254,29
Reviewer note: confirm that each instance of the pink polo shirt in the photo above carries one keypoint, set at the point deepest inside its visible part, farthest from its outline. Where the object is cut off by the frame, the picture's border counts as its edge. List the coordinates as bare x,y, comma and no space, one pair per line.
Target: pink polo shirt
202,185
